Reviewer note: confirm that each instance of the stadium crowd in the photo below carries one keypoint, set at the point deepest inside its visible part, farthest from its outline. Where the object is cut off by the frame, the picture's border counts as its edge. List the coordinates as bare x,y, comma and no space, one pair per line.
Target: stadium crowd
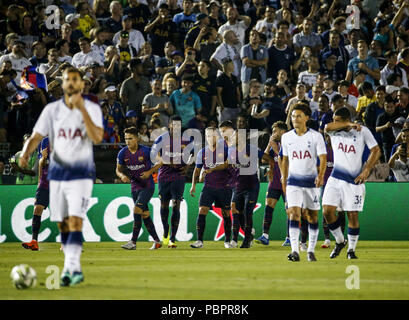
240,60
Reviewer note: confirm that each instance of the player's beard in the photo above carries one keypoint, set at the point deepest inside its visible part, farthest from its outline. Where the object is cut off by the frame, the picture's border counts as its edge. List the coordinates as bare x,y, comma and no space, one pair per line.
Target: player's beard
71,91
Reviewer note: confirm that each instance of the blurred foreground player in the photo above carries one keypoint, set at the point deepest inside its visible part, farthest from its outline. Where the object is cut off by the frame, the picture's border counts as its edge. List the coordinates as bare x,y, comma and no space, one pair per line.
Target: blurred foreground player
72,125
42,194
300,179
134,166
345,188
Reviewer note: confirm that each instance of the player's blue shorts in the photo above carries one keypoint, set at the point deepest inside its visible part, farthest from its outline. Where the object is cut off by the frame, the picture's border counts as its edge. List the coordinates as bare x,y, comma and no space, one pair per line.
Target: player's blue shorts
275,194
42,197
220,197
142,197
249,196
172,190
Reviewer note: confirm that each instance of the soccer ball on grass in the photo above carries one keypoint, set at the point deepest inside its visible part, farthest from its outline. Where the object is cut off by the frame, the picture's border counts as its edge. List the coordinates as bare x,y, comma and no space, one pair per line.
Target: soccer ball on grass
23,276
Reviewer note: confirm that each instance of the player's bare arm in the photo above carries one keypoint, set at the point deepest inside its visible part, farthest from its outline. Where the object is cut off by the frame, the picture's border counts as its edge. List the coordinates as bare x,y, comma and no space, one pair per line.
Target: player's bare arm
95,133
370,163
29,147
284,172
120,172
148,173
319,180
337,126
195,176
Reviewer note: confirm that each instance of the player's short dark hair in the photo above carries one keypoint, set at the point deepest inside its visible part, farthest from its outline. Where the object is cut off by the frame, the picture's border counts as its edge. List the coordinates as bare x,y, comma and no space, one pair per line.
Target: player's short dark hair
280,125
325,97
389,99
404,90
206,62
283,22
175,117
60,43
381,88
131,130
73,70
336,98
304,108
344,113
344,83
226,124
366,86
84,39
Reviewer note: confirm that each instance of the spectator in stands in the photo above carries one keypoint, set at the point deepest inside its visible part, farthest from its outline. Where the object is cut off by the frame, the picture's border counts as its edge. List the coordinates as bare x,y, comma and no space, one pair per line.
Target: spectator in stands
165,64
67,35
236,23
125,49
185,20
205,87
86,19
135,38
309,77
350,101
201,26
228,92
156,102
209,46
140,13
229,49
186,103
403,105
63,49
135,88
55,90
268,24
399,161
368,96
17,58
280,56
86,56
114,22
352,47
51,68
161,30
364,62
384,125
307,38
391,67
189,64
255,59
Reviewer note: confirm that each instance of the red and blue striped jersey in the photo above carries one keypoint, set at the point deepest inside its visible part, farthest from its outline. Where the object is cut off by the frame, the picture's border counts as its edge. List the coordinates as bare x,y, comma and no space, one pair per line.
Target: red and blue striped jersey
172,155
276,183
44,182
137,163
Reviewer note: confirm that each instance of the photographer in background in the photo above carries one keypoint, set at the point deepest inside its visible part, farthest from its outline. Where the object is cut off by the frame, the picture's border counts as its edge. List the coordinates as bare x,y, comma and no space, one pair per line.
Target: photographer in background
399,162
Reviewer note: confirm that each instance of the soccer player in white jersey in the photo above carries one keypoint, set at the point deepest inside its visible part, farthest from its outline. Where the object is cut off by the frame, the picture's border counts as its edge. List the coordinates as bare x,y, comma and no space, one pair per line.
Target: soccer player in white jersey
345,187
300,179
72,124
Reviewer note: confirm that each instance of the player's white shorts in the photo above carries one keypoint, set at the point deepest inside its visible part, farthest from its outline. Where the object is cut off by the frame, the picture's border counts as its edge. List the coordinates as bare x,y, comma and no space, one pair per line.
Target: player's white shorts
346,196
69,198
306,198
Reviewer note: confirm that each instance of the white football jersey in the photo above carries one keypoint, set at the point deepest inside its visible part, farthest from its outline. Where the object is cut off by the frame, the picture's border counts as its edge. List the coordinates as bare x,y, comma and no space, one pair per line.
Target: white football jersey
348,147
72,155
302,152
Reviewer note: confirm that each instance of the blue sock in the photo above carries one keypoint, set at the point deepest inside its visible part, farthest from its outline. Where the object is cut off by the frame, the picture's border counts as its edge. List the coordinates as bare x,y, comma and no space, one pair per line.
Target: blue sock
164,214
137,224
227,228
151,228
36,225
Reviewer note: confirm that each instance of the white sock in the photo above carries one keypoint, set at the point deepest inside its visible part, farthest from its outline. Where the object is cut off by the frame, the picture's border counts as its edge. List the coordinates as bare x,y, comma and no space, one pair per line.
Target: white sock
265,235
313,232
352,241
294,236
338,235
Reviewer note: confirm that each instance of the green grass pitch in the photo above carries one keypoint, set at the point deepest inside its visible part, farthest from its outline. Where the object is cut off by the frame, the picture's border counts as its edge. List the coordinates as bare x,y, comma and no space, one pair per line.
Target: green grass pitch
214,272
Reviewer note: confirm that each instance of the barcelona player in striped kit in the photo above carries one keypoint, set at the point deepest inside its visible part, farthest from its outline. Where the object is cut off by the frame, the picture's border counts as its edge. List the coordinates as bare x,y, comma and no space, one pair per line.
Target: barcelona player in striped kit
275,190
217,187
244,158
171,177
42,194
134,166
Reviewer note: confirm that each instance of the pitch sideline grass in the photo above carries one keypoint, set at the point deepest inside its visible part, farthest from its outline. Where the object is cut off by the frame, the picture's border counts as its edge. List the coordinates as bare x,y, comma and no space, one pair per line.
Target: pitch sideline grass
214,272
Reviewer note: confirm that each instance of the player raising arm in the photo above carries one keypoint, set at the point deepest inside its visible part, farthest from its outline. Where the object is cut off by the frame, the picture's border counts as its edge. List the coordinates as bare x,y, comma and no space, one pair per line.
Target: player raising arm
300,179
345,187
134,166
72,125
